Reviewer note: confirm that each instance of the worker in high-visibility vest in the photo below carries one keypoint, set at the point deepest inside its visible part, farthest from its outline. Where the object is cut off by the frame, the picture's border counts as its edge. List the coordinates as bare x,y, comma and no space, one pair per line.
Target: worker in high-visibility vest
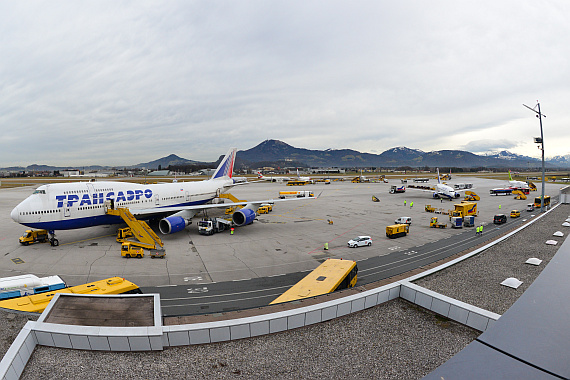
411,204
481,230
405,202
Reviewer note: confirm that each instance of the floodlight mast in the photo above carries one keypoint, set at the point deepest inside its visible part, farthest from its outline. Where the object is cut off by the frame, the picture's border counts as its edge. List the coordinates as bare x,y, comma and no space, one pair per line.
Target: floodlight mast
539,115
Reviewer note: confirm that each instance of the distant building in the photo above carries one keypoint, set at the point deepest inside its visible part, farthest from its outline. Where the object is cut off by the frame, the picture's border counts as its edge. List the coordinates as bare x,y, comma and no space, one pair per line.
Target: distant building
207,172
328,171
159,173
70,173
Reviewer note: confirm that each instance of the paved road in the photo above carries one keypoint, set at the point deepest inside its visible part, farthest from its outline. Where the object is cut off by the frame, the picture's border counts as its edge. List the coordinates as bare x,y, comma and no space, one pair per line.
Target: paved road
220,297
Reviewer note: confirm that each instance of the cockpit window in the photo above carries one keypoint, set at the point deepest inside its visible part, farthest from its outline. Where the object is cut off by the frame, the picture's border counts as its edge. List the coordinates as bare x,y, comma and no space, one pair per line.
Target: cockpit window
39,191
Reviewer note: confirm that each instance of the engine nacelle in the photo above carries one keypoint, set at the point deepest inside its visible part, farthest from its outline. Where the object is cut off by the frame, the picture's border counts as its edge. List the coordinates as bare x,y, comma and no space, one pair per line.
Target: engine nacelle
243,217
172,224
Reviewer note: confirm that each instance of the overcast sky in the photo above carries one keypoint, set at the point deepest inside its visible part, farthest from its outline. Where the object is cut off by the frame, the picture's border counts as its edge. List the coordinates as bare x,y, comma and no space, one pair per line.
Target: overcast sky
124,82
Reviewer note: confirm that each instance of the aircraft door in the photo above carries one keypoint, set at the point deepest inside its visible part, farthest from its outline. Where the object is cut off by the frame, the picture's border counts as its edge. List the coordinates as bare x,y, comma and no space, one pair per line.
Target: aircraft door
188,196
67,211
156,199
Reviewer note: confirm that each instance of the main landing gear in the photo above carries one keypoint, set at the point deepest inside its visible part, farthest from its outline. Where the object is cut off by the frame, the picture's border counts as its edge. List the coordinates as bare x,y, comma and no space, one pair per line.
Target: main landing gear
52,240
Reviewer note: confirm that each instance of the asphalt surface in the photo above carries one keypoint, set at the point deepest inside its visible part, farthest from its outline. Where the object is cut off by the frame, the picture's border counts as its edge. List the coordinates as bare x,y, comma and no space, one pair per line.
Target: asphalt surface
395,340
223,272
392,341
245,294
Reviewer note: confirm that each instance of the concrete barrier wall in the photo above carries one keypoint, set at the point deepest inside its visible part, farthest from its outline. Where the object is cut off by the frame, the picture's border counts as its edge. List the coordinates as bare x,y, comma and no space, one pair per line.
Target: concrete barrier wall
15,360
564,195
98,338
157,337
211,332
461,312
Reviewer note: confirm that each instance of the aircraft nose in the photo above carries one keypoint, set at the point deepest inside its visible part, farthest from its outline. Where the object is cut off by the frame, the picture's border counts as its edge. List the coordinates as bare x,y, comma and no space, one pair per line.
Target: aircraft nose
15,215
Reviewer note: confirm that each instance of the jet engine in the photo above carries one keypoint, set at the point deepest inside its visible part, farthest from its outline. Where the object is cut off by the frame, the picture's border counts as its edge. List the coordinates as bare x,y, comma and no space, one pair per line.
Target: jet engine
176,223
243,217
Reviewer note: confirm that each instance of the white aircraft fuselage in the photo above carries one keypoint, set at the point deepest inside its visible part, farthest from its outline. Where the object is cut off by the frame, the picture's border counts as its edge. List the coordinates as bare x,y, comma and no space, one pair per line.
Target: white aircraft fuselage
445,191
518,184
64,206
67,206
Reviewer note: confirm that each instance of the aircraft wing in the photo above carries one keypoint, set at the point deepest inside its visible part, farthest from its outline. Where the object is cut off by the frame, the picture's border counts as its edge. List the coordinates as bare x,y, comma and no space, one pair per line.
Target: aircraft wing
462,190
427,189
173,209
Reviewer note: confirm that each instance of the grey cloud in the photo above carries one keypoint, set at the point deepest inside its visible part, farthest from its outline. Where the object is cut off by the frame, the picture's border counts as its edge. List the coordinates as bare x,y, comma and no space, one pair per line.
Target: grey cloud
483,146
124,82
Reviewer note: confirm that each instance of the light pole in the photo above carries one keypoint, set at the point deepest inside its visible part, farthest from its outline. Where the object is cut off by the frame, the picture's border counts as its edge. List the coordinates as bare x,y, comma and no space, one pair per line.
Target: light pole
540,140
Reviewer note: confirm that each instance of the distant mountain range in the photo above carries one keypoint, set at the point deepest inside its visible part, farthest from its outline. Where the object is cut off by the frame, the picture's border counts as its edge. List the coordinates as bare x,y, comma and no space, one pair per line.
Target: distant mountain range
275,152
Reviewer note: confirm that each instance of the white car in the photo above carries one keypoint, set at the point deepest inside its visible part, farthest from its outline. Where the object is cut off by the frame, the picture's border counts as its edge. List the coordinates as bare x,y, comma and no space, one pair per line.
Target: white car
360,241
403,220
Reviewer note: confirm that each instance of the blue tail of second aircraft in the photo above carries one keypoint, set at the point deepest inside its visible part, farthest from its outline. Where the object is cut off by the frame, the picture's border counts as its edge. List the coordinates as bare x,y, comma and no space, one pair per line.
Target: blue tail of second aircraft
226,167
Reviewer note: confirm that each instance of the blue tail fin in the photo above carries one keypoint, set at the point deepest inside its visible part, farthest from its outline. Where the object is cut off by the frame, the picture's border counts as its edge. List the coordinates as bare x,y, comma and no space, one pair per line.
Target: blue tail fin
226,167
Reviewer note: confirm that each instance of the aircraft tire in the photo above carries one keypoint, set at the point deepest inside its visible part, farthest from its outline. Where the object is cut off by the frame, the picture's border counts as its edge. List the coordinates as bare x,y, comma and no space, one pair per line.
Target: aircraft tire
54,242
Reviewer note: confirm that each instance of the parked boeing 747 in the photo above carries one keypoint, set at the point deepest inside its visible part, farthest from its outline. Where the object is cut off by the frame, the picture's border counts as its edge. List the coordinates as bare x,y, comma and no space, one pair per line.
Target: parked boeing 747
66,206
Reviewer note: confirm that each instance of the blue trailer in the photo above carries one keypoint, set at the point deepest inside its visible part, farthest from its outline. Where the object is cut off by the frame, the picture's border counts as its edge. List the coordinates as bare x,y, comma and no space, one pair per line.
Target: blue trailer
469,221
456,222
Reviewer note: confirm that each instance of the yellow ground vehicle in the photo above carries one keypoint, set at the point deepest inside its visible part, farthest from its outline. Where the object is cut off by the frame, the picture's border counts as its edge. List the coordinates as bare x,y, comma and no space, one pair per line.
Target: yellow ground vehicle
519,194
538,199
263,210
34,236
397,230
429,208
296,183
36,303
515,214
464,209
298,194
268,205
471,196
434,223
147,238
128,249
333,274
231,197
123,234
